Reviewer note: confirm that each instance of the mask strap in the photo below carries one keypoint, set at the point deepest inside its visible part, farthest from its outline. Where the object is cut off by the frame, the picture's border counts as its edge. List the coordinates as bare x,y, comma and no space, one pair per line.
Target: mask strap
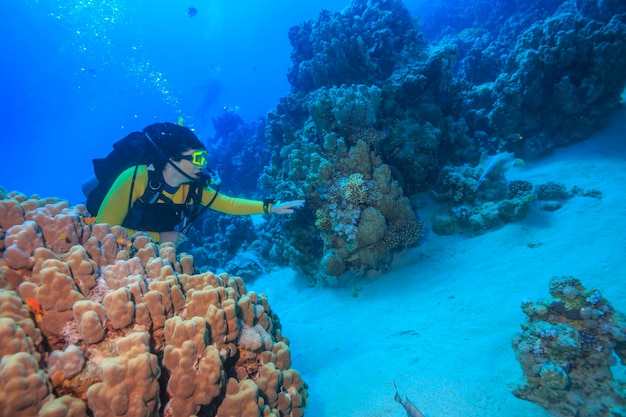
169,160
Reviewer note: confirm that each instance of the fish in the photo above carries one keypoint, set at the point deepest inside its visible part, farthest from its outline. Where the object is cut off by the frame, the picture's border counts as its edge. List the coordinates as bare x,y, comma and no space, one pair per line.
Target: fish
34,306
90,221
125,243
411,409
500,162
192,11
244,258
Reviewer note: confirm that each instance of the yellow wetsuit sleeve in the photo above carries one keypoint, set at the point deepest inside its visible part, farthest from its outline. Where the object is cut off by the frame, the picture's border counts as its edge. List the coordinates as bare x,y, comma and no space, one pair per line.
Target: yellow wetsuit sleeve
115,205
231,205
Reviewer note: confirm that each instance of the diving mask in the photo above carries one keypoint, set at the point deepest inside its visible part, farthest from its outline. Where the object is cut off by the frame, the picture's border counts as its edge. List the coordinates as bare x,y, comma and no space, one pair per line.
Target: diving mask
198,158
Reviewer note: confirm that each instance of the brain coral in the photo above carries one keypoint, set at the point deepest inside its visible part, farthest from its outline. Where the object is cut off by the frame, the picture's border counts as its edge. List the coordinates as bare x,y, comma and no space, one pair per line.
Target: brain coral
113,325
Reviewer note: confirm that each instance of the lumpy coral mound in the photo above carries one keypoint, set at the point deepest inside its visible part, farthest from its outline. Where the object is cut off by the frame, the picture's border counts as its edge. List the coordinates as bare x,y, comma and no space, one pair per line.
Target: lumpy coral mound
93,322
567,350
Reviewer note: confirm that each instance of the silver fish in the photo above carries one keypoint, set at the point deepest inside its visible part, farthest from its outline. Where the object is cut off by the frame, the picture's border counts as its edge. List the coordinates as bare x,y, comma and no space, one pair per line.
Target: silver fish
411,409
499,163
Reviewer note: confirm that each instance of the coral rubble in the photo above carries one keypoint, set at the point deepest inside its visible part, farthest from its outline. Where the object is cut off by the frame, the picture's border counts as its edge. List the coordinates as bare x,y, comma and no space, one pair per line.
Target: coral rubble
567,350
93,322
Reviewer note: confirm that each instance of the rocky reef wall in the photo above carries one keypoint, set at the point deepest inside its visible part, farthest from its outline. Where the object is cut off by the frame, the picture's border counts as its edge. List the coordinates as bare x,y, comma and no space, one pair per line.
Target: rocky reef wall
379,112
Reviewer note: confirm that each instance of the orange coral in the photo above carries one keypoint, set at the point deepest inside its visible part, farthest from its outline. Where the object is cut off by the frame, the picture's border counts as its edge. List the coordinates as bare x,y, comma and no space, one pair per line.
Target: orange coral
113,322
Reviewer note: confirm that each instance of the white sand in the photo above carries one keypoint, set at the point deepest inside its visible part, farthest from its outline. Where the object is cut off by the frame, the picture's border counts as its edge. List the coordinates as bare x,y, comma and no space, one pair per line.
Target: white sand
441,323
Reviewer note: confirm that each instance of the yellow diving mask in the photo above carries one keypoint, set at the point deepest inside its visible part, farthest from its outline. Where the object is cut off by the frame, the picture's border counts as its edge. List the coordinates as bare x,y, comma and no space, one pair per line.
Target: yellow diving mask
198,158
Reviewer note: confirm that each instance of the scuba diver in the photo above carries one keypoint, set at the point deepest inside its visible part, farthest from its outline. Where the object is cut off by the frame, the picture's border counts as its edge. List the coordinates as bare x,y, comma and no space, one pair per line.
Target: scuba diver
213,88
168,188
226,123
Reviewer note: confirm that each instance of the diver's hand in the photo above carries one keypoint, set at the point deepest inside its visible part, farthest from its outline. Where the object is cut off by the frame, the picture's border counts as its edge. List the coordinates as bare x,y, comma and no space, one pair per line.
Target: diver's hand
286,207
175,237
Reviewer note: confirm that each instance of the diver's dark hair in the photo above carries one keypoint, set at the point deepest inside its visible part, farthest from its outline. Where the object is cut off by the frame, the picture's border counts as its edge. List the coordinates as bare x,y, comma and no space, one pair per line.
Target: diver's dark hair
173,140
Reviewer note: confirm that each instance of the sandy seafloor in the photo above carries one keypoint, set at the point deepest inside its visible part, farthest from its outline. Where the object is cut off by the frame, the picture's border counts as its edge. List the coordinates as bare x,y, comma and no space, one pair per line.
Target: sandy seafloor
440,324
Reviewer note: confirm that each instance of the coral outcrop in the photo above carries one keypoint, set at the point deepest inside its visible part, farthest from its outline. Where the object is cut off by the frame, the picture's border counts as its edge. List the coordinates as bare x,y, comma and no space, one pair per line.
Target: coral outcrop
93,322
479,198
361,45
335,163
567,350
550,71
378,114
572,49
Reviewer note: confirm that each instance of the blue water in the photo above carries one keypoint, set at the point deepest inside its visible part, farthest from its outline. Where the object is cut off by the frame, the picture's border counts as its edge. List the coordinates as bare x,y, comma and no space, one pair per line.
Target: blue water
79,75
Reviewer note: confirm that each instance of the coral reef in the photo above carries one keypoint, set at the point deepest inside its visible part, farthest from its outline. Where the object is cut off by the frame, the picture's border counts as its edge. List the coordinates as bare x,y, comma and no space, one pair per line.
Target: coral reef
216,238
579,86
334,162
369,94
468,206
239,157
355,203
93,322
552,191
567,348
361,45
538,69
